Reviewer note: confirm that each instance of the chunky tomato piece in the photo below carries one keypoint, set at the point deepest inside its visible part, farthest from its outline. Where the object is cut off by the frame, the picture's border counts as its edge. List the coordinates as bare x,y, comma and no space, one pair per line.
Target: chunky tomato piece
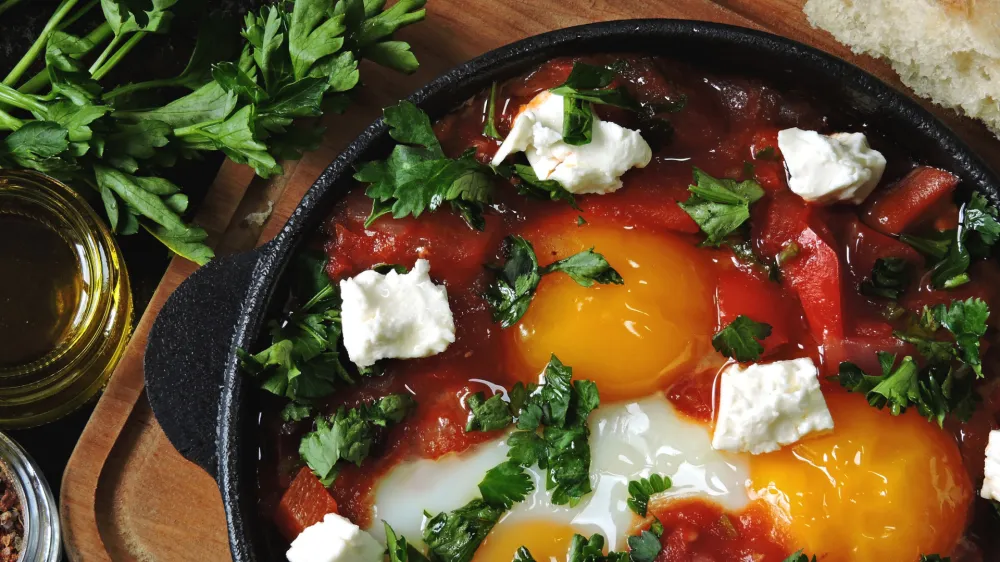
758,298
697,531
650,200
304,504
909,200
778,221
863,352
866,245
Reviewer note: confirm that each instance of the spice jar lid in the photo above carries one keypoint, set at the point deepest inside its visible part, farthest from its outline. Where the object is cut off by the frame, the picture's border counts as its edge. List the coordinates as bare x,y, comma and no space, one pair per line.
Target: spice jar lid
36,507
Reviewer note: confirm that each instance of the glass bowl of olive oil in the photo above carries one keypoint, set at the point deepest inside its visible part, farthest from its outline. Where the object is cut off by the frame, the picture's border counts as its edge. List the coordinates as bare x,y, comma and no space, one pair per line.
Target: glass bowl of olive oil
65,303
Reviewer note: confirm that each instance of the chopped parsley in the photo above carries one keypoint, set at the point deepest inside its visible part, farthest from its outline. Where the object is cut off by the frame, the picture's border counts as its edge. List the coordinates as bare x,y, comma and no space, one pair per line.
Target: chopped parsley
936,390
582,549
644,547
588,84
890,277
964,320
640,491
580,221
398,549
720,206
951,252
418,177
490,129
455,536
741,339
487,414
530,186
294,411
934,558
560,408
523,555
305,358
511,293
350,434
800,556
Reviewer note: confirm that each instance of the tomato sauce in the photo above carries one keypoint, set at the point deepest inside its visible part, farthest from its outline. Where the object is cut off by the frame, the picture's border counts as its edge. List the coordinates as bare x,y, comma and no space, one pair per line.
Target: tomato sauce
727,127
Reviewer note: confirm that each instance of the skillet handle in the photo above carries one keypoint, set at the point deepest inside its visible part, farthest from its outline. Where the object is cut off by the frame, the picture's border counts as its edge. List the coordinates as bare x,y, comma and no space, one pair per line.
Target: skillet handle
189,351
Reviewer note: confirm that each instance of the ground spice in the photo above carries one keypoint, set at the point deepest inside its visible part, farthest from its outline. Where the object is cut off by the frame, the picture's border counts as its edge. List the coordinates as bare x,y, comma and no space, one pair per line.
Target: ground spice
11,522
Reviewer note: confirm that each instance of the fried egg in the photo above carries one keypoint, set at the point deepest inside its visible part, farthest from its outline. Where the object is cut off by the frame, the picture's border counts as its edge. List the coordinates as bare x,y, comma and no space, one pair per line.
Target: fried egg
631,339
878,488
629,440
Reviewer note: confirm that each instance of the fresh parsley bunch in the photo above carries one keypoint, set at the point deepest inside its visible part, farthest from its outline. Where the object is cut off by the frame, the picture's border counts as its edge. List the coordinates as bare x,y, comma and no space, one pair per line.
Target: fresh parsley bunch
299,58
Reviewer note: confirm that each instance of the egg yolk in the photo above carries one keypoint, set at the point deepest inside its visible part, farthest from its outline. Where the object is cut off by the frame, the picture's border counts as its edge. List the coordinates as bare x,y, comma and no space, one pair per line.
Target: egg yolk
546,540
877,488
630,339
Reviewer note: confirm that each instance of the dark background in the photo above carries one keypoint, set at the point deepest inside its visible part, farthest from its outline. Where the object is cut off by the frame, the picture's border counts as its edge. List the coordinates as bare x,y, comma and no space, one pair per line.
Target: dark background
157,56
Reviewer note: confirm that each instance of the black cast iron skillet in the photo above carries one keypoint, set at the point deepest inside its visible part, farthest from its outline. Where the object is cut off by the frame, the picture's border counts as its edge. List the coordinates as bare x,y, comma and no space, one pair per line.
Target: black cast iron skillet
209,410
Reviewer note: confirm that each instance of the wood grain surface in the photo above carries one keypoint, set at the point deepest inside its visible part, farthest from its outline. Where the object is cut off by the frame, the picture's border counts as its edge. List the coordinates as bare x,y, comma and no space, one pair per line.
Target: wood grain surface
126,493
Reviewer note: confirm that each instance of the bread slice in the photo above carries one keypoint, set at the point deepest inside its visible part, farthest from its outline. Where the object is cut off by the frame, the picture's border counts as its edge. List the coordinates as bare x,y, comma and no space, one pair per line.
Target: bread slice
945,50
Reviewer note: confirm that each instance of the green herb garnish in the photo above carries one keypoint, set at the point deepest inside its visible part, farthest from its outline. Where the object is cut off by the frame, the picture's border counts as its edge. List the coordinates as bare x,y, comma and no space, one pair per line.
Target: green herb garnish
511,293
487,414
398,549
418,177
490,129
640,491
588,84
741,339
720,206
890,277
531,186
349,434
644,547
964,321
799,556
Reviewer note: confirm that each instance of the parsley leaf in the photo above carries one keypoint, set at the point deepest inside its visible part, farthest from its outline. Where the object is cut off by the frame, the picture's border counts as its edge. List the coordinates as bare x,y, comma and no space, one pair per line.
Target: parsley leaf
490,128
934,558
586,85
720,206
582,549
799,556
350,434
741,339
964,320
304,360
455,536
641,490
531,186
506,484
936,391
561,407
418,177
294,411
951,252
644,547
890,277
511,293
523,555
399,550
487,414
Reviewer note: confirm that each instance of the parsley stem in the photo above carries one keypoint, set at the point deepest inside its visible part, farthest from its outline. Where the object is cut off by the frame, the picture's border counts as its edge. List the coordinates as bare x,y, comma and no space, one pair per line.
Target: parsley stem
104,55
8,122
77,15
36,48
10,96
196,128
139,86
94,38
8,5
119,55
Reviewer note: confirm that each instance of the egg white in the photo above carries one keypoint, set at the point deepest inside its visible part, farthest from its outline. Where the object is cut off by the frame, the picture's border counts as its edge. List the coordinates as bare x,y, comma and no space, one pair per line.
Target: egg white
629,440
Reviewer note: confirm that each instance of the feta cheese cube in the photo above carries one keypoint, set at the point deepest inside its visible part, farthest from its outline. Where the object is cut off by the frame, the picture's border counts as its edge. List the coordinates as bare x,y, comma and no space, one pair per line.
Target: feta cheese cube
830,168
991,484
595,167
400,316
335,539
764,407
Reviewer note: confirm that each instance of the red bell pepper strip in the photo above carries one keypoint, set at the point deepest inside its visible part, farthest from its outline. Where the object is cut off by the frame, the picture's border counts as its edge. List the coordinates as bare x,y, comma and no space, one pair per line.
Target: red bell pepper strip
304,504
905,203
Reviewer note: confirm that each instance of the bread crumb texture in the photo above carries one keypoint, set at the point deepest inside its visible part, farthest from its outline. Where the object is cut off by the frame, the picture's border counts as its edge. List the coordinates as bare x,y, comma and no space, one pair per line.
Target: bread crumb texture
945,50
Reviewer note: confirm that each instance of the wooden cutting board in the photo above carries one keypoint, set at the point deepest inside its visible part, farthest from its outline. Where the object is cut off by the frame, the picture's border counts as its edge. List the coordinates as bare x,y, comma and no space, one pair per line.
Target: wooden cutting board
126,493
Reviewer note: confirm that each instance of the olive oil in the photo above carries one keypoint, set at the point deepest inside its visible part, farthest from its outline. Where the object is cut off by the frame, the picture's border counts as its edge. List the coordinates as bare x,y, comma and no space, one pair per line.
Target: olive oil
40,289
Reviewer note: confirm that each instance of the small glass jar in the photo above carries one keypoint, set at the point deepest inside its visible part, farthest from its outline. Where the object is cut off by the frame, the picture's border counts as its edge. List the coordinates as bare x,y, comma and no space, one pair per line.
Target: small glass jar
42,539
95,309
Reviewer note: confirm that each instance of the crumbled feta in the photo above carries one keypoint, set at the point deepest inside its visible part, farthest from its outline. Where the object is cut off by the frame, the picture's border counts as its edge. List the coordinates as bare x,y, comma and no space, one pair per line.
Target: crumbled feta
335,539
991,484
595,167
395,315
830,168
766,406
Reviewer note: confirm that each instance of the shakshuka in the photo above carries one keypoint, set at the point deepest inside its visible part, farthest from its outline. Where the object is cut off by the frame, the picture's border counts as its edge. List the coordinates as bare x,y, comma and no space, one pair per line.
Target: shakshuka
621,308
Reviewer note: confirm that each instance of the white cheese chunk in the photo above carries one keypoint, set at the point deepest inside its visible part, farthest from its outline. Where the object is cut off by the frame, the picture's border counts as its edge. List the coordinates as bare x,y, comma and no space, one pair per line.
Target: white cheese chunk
335,539
764,407
830,168
595,167
400,316
991,484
